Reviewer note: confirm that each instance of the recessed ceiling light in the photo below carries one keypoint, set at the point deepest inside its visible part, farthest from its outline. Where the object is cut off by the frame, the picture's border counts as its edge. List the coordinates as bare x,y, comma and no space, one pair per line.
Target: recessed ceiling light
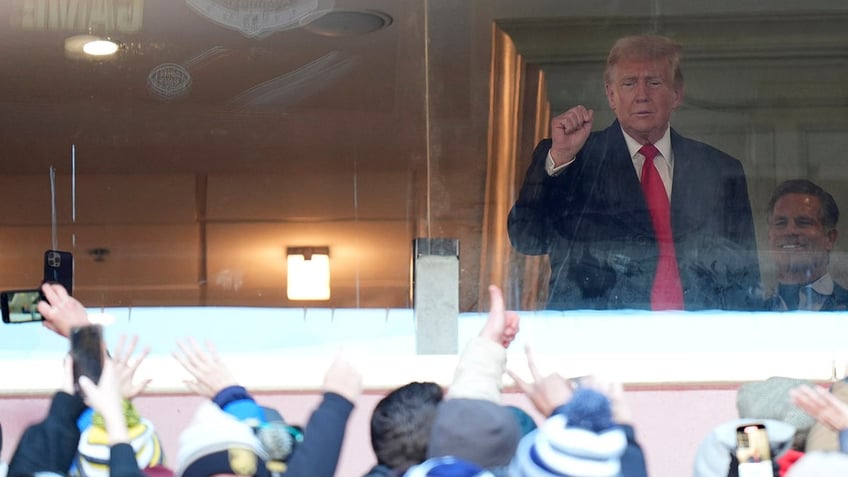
89,46
100,48
346,22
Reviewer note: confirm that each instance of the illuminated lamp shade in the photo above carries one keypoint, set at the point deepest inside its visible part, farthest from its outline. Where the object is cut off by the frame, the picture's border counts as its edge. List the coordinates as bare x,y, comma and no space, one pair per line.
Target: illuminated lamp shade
308,273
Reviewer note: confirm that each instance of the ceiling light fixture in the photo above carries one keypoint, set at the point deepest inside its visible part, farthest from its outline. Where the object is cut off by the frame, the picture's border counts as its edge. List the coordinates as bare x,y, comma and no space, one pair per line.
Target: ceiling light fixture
89,47
100,47
308,275
338,22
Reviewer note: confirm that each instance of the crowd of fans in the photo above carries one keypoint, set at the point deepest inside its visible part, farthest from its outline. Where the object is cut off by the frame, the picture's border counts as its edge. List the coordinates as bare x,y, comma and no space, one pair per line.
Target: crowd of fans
417,430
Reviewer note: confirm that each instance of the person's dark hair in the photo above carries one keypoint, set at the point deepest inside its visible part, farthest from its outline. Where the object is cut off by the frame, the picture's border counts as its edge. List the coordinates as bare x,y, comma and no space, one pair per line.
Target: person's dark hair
646,47
829,213
401,423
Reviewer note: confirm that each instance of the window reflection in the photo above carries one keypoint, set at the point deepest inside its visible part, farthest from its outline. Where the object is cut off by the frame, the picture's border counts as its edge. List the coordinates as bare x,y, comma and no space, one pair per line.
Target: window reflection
204,150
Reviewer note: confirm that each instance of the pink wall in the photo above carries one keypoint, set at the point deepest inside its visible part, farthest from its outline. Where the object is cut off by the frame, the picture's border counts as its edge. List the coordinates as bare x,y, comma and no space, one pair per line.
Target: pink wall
671,420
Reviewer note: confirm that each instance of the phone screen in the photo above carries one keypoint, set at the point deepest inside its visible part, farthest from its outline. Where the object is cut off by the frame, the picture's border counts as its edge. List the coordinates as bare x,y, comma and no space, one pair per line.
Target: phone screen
753,451
21,306
87,353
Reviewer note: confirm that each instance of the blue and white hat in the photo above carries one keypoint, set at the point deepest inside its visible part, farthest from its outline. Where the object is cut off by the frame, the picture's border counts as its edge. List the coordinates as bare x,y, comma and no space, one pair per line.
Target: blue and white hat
447,466
581,441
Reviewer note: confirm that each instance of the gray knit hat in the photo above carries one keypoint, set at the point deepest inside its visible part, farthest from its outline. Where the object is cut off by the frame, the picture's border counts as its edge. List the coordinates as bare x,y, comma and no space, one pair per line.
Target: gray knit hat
476,430
769,399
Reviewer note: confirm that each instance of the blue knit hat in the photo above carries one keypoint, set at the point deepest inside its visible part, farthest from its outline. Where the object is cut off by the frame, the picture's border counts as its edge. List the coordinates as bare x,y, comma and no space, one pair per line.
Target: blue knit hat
447,467
580,440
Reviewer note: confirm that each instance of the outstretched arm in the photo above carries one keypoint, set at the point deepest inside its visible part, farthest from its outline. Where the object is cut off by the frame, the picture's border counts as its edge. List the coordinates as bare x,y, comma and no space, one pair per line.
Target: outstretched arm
479,373
50,445
210,373
213,380
318,455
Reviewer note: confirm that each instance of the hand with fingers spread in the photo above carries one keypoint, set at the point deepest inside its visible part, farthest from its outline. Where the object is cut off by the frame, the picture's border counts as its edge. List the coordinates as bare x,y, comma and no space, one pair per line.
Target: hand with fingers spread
501,325
545,392
210,373
343,379
822,405
61,311
126,366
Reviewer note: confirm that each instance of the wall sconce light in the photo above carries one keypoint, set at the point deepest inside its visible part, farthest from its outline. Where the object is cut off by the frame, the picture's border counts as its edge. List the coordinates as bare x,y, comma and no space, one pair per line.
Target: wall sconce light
308,276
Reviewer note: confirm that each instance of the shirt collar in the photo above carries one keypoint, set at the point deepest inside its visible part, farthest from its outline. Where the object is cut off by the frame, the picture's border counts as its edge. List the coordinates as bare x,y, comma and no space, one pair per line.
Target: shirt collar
823,286
663,145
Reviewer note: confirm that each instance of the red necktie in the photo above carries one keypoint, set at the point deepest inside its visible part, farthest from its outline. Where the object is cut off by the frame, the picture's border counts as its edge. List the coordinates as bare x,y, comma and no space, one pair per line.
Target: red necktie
667,292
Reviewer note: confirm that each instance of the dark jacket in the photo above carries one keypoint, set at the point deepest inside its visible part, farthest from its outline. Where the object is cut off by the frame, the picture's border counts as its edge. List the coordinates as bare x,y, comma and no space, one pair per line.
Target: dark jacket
318,454
50,446
593,223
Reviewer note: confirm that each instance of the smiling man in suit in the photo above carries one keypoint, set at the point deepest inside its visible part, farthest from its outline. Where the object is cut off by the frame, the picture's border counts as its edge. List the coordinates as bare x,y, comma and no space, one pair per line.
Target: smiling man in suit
802,232
636,215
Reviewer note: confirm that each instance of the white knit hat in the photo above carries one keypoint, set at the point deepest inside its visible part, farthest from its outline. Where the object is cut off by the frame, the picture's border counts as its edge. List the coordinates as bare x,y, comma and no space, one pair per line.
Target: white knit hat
588,446
213,433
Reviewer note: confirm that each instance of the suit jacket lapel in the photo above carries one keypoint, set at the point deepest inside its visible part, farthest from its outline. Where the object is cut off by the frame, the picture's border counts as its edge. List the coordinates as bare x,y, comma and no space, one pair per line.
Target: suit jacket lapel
687,202
624,192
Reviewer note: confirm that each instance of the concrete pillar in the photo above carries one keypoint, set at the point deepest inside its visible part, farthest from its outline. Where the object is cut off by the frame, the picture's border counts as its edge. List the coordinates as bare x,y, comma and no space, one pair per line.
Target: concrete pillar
435,295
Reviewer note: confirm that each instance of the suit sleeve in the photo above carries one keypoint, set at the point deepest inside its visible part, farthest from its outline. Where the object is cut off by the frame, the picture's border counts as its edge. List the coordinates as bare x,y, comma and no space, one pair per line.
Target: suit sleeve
740,229
529,224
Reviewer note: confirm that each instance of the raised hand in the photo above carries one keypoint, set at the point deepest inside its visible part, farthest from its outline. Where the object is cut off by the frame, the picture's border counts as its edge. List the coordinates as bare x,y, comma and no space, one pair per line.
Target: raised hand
105,398
569,132
545,392
210,373
822,405
501,325
125,367
61,311
343,379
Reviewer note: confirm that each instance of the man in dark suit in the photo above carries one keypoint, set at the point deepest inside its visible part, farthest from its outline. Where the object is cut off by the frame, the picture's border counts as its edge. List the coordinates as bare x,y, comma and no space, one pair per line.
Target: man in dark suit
802,220
636,215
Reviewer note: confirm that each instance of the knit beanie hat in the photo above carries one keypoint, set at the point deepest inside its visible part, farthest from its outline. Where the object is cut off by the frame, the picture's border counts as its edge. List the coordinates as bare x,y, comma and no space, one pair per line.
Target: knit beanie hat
93,451
217,443
579,441
447,467
769,399
474,430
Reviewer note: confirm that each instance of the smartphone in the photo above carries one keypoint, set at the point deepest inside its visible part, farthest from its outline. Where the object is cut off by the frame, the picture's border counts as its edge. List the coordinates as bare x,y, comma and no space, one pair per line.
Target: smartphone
21,306
59,268
753,451
87,353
